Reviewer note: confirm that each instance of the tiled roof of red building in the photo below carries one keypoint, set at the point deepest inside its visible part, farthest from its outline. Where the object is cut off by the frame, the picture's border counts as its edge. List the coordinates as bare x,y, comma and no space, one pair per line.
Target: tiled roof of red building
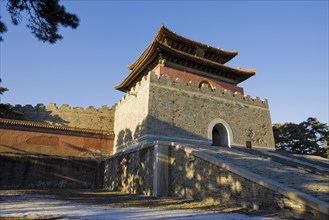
30,124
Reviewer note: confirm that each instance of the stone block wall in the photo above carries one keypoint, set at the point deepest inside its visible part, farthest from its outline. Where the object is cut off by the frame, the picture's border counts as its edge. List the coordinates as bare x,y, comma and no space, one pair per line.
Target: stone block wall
131,115
159,108
181,110
131,172
31,172
194,178
191,175
91,118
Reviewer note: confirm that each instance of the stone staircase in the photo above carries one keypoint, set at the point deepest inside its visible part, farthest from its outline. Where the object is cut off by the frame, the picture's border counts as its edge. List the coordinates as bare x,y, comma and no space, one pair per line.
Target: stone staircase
300,178
310,163
300,175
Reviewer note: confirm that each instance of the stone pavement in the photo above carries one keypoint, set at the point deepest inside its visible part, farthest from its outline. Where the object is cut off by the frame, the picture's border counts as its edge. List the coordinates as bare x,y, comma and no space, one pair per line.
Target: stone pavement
36,206
308,181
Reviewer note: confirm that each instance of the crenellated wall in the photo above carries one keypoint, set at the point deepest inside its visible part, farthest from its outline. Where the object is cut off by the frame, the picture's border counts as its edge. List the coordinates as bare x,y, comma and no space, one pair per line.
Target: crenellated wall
180,84
131,115
91,118
197,79
183,111
159,108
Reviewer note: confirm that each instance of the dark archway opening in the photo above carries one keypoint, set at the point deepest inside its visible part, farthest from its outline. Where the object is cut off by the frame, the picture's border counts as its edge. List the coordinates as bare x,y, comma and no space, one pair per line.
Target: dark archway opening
219,136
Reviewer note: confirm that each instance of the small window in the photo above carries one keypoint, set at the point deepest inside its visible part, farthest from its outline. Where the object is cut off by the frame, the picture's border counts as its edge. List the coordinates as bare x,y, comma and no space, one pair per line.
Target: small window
206,83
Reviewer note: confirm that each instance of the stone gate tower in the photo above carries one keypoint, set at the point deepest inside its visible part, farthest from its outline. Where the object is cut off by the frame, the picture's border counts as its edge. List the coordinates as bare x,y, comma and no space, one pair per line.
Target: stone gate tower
181,91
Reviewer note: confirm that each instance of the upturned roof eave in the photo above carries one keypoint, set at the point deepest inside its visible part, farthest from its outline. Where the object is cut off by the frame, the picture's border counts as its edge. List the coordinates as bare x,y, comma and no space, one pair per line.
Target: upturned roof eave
206,61
163,31
142,56
145,58
156,47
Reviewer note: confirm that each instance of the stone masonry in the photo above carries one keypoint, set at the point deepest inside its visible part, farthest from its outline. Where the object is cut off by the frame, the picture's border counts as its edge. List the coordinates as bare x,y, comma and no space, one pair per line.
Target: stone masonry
167,110
131,114
90,118
212,175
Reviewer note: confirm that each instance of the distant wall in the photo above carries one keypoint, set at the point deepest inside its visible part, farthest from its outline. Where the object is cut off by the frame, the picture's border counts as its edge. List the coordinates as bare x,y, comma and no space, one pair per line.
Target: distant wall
91,118
33,172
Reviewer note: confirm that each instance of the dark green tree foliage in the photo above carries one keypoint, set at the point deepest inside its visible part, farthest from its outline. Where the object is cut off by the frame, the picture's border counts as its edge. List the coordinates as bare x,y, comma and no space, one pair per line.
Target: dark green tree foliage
3,28
44,18
307,137
2,90
5,109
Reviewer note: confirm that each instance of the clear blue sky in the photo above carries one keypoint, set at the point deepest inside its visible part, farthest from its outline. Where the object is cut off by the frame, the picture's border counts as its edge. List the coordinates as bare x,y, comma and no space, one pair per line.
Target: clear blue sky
285,41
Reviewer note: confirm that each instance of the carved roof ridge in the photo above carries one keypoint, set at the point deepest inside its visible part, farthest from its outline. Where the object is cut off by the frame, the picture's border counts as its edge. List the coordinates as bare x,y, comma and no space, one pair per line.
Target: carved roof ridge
155,47
165,31
238,70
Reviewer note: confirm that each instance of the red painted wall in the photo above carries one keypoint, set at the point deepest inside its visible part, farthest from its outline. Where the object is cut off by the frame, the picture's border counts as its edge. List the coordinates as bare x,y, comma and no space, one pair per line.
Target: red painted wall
33,142
186,76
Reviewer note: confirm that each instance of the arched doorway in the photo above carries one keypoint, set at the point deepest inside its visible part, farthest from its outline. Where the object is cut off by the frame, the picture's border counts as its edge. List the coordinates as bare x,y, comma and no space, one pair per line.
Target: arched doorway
220,136
220,133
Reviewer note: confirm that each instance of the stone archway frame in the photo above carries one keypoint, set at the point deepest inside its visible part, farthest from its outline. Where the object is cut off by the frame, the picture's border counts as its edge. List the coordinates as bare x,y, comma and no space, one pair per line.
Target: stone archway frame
228,128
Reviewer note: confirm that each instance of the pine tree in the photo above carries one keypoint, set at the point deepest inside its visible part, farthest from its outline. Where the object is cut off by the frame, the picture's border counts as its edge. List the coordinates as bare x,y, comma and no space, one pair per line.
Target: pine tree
44,18
307,137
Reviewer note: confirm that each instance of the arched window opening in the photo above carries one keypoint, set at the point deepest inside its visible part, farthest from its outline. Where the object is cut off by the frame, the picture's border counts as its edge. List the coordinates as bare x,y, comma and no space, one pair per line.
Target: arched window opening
206,82
220,136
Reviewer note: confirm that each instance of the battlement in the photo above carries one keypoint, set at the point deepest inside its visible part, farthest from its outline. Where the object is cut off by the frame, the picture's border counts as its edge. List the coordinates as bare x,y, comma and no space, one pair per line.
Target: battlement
90,118
65,107
205,89
135,89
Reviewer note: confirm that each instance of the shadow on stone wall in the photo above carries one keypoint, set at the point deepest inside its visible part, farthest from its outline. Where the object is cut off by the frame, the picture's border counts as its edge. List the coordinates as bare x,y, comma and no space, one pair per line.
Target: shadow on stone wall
36,172
130,173
153,126
37,114
194,178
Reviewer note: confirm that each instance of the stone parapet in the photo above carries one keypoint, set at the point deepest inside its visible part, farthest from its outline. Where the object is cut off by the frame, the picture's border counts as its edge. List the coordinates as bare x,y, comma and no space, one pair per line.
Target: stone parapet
131,115
65,115
135,90
184,110
206,90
